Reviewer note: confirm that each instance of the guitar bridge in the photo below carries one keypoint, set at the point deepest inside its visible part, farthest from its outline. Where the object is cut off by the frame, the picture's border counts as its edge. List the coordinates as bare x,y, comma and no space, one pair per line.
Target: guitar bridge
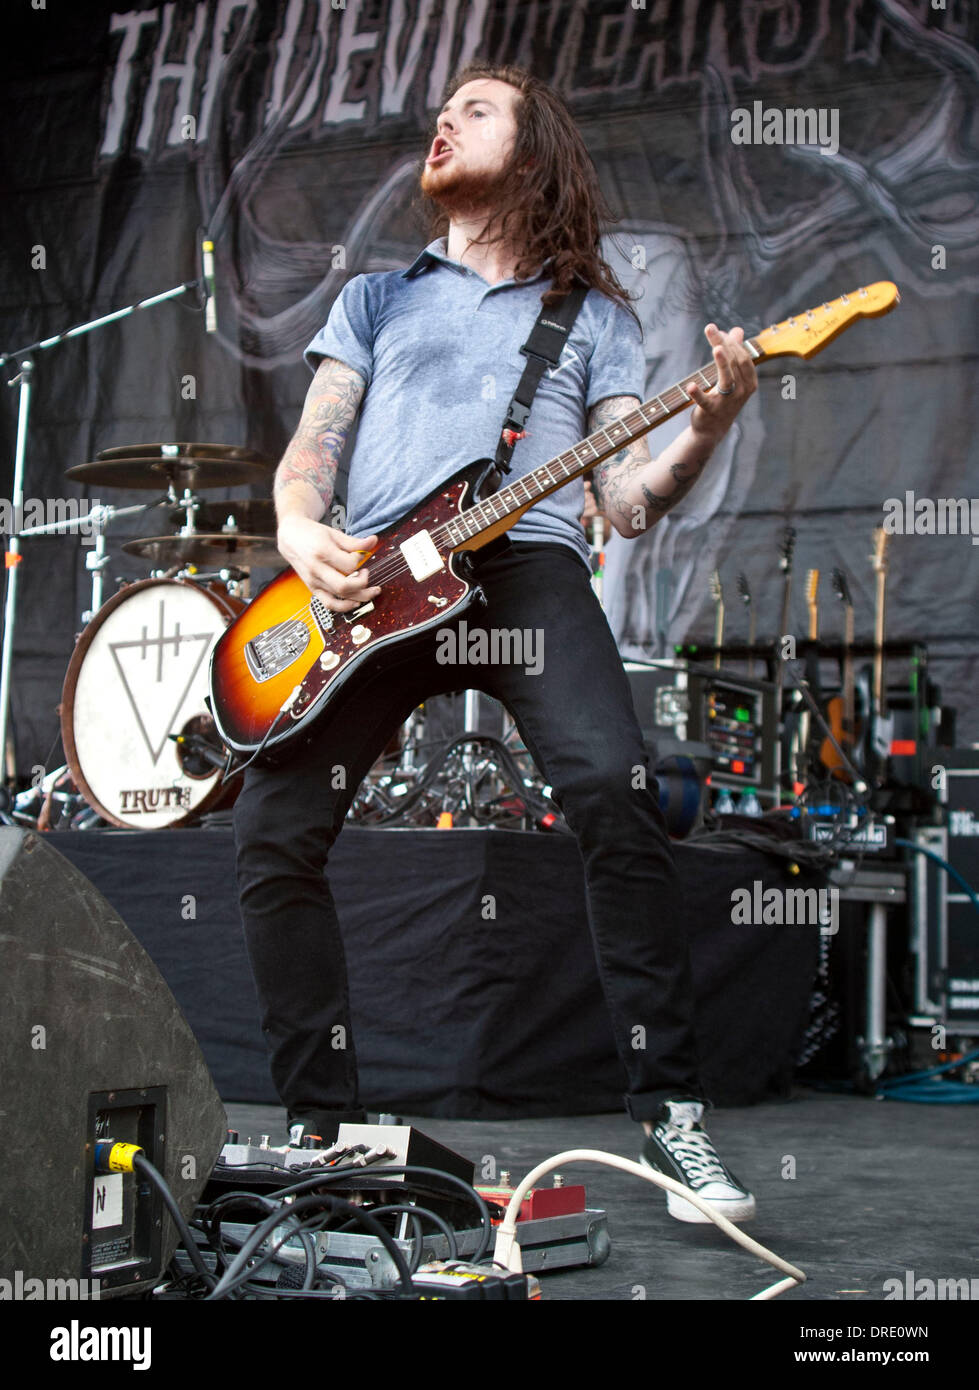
273,650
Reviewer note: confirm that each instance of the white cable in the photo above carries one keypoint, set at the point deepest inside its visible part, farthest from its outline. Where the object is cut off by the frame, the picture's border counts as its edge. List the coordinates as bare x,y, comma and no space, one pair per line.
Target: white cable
507,1250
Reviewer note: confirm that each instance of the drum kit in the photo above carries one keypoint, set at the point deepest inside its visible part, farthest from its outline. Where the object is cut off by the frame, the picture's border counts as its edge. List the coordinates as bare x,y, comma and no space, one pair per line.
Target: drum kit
141,748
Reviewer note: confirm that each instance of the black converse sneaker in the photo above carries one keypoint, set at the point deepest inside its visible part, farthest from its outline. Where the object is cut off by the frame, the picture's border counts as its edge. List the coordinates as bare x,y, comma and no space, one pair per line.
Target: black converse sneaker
680,1148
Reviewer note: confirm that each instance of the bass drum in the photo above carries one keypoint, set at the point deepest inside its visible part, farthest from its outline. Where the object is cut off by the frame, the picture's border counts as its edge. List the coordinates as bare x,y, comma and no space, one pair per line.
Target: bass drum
137,676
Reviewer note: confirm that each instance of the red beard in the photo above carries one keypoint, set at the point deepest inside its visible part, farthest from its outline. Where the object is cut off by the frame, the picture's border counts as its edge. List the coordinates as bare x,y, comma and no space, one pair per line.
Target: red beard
457,189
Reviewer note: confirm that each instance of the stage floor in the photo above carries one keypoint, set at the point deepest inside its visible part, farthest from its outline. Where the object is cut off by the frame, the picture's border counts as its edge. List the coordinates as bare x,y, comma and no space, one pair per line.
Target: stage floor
881,1188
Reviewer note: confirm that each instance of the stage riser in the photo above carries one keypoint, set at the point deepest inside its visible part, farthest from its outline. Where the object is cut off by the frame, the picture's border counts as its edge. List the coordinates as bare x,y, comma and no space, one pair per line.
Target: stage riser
454,1015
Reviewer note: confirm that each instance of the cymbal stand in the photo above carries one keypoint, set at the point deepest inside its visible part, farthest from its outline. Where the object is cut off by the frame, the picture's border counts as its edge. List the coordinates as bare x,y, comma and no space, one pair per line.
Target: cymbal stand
24,379
95,523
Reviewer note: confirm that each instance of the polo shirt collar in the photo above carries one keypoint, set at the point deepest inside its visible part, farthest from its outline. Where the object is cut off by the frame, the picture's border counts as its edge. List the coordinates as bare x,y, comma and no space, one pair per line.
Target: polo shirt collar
435,251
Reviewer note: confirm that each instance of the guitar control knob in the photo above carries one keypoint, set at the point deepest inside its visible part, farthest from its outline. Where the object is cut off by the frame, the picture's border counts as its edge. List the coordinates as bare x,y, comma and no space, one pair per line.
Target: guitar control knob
328,660
359,634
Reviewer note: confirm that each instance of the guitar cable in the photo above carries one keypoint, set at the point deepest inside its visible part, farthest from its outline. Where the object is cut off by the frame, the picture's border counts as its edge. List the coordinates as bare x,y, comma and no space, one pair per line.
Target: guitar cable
242,767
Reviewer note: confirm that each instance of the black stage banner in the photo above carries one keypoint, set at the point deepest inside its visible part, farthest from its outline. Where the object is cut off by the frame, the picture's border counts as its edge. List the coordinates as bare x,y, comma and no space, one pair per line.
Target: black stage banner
764,156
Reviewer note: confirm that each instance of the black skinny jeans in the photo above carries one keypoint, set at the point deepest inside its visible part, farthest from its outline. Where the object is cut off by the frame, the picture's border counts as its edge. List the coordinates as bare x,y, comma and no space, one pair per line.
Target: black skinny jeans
577,719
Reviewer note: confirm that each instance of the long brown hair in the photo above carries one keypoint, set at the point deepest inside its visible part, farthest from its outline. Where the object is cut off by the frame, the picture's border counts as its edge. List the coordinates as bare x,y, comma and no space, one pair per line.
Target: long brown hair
552,200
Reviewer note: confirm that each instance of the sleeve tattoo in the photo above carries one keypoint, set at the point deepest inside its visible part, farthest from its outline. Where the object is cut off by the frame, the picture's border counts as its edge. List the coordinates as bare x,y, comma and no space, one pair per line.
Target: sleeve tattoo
614,480
313,454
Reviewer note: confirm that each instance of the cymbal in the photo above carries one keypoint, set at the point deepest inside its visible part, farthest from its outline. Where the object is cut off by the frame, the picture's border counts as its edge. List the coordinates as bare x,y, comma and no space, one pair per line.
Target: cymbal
184,451
257,517
152,466
207,548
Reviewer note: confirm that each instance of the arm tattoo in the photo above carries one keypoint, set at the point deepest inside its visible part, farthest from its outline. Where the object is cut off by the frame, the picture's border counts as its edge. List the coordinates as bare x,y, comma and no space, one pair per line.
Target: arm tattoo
610,480
614,480
313,455
656,501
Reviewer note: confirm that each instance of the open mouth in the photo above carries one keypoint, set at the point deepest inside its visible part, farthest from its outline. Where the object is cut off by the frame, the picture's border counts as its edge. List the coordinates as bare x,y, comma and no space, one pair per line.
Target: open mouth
441,149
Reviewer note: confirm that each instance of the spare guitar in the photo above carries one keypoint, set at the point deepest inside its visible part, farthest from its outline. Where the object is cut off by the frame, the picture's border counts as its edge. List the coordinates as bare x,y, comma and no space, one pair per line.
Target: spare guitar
841,714
800,760
877,749
786,551
745,593
283,661
717,594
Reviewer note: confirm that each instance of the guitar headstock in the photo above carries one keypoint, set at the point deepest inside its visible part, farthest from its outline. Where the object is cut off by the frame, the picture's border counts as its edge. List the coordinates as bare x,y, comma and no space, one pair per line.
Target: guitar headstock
786,549
716,593
743,589
841,588
812,588
807,333
879,558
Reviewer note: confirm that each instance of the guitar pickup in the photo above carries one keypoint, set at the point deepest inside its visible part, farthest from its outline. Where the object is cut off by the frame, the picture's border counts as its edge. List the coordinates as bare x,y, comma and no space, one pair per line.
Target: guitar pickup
422,556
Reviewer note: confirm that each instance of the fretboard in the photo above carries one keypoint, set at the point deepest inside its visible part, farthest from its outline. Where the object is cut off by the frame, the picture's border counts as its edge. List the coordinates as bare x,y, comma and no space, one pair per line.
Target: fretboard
516,497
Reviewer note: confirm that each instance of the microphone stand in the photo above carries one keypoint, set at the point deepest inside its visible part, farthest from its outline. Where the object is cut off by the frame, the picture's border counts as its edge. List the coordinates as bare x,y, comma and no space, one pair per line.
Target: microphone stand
24,378
860,787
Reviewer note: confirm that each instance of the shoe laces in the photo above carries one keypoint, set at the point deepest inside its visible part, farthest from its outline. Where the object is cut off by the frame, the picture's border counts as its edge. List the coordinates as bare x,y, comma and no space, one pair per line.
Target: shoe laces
691,1148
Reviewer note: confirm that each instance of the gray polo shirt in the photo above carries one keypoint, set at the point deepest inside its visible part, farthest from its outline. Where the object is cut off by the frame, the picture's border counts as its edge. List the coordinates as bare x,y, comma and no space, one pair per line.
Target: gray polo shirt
439,350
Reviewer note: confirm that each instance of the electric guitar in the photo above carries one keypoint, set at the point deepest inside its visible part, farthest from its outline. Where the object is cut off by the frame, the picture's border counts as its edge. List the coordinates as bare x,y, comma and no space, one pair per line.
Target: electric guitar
799,760
745,593
284,660
717,594
841,710
878,747
786,551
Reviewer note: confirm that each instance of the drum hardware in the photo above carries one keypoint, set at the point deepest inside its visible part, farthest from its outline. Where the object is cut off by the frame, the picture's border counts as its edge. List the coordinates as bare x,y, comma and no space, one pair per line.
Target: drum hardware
24,380
96,522
476,777
233,581
54,804
98,558
255,517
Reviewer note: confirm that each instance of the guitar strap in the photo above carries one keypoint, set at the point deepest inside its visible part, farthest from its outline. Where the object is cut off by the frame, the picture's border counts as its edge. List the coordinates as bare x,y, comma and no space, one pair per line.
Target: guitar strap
542,350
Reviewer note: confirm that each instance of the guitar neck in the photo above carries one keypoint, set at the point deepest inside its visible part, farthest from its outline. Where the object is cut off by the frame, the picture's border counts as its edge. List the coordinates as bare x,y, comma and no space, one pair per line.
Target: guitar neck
799,336
880,692
786,603
849,708
498,513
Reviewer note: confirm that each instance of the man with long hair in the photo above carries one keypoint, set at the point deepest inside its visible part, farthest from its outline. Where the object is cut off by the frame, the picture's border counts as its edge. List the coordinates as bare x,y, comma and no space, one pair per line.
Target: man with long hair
518,220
